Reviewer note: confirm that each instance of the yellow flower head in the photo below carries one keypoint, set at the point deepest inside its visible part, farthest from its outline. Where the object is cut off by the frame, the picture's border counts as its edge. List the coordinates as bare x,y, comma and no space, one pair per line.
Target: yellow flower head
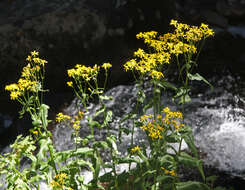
61,117
34,53
35,132
169,172
14,95
76,124
12,87
156,75
69,83
135,149
29,58
59,181
130,65
106,66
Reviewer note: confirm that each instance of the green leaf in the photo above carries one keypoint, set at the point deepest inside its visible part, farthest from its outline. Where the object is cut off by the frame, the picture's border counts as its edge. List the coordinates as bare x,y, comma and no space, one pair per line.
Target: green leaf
191,185
43,143
93,123
128,116
190,161
167,161
36,121
212,179
100,144
96,165
43,114
187,66
106,97
108,119
198,77
148,105
141,96
189,139
100,111
164,84
172,138
220,188
123,160
182,95
200,168
184,99
112,143
166,179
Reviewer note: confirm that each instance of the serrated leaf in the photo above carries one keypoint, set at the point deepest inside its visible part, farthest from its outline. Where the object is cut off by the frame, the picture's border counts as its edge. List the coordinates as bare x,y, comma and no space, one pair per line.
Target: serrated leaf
198,77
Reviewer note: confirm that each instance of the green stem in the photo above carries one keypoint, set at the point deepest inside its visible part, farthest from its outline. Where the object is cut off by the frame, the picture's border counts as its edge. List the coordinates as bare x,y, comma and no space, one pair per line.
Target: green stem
52,160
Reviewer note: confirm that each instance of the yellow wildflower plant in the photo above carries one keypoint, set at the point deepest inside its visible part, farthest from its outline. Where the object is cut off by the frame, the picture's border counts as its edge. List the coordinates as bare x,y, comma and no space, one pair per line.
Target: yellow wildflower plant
31,79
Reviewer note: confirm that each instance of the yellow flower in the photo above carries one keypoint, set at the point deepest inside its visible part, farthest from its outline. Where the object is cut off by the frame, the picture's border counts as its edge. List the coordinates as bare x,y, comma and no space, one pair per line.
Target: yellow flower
139,53
12,87
14,95
130,65
34,53
70,83
59,181
173,22
156,75
42,62
35,132
61,117
170,172
166,110
80,115
106,66
76,124
135,149
29,58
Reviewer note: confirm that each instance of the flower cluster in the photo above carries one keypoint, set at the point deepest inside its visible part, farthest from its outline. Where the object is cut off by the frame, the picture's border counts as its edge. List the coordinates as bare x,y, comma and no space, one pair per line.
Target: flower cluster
168,172
31,77
62,117
135,149
154,128
84,72
171,118
59,181
106,66
191,33
75,121
183,40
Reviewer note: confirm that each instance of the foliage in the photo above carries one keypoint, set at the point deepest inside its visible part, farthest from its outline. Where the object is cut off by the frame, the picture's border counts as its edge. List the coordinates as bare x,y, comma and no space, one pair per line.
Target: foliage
158,168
